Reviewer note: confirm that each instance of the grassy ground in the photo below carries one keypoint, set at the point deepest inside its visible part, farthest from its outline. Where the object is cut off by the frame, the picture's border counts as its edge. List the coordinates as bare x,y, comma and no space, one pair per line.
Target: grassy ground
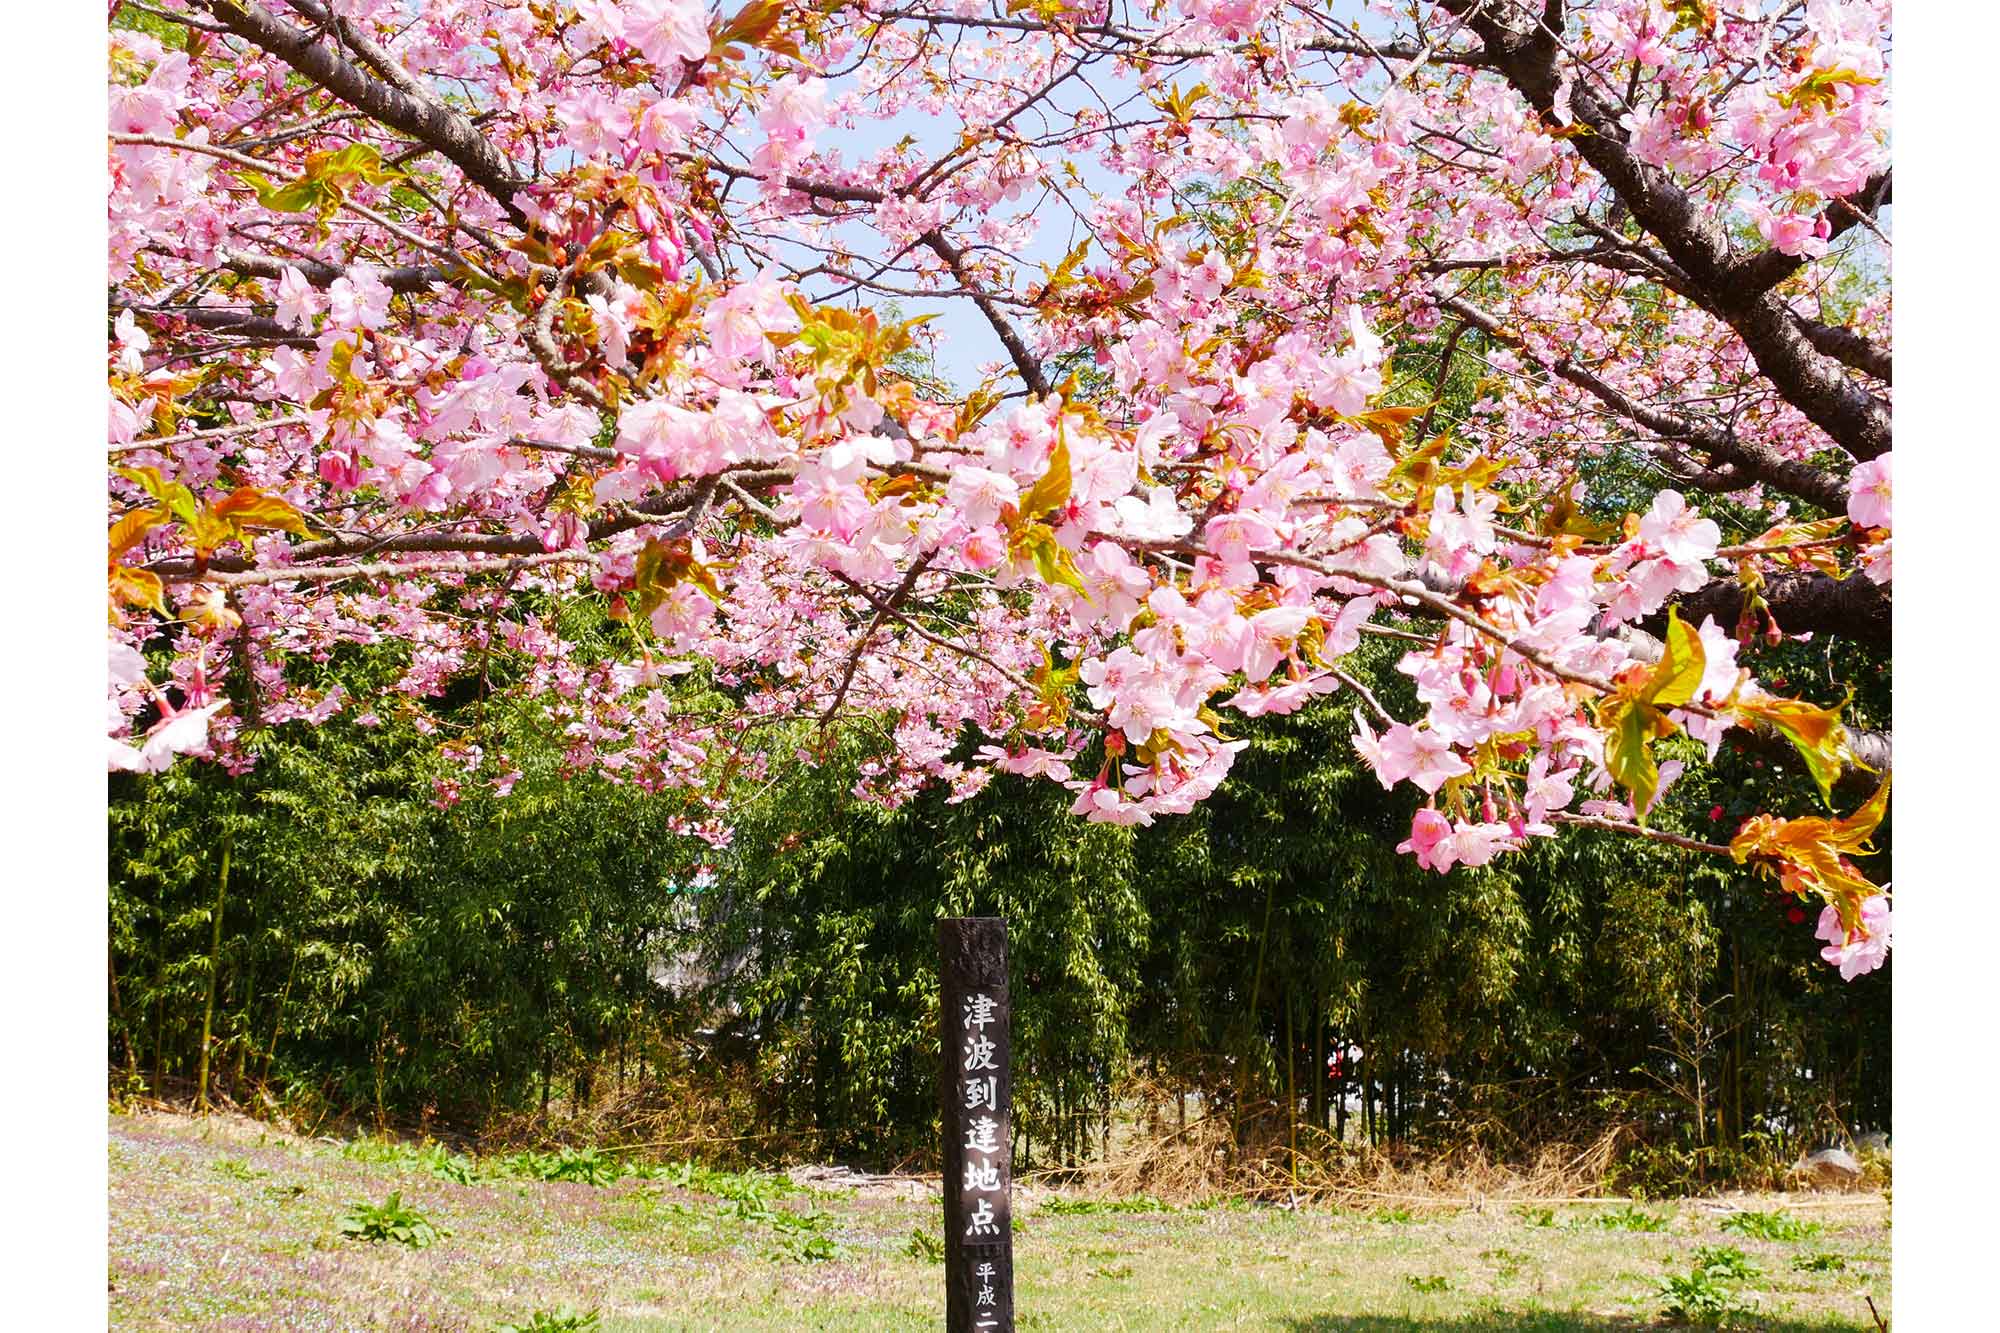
221,1225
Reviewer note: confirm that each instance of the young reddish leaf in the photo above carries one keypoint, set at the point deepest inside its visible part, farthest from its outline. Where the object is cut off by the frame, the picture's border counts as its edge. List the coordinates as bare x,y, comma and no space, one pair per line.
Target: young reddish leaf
130,530
207,533
1812,853
248,507
1388,422
1815,732
137,587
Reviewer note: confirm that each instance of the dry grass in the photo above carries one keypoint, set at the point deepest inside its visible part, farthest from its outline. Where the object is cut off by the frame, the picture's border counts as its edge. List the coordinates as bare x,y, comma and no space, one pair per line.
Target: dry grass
228,1224
1204,1160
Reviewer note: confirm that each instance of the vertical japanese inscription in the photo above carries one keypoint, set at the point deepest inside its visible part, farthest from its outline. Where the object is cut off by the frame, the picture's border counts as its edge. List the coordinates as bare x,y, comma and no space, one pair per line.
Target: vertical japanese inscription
976,1092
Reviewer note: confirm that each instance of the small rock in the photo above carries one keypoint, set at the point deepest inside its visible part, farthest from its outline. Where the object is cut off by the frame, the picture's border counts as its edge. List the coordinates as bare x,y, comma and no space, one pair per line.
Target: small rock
1829,1167
1875,1144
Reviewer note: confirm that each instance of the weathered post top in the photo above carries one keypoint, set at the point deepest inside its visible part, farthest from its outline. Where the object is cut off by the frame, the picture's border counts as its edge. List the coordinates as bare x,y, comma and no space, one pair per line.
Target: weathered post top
976,1094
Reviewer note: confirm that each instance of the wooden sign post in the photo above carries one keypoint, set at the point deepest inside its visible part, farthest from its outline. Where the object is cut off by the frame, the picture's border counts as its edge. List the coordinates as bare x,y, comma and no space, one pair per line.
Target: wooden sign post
976,1092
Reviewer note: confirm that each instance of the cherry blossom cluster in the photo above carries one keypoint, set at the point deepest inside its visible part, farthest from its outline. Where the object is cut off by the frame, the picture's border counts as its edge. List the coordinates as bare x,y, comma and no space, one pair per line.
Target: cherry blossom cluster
430,323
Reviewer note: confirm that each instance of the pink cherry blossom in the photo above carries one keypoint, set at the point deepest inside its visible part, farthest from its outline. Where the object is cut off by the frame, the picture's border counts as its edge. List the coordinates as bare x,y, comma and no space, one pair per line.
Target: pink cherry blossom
1863,949
1868,494
297,301
1670,528
775,343
1430,841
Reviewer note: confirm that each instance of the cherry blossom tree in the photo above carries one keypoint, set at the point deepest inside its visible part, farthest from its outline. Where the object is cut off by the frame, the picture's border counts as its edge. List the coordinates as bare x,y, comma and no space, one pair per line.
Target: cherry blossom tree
436,325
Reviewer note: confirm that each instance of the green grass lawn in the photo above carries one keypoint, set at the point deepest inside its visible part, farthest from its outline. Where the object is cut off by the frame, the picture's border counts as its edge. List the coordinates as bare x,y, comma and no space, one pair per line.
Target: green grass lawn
222,1225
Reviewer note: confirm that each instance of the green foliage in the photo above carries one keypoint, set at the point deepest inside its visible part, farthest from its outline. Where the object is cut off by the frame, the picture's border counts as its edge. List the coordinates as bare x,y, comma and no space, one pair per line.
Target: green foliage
1819,1263
381,954
1429,1282
926,1246
1398,1216
1770,1226
810,1248
390,1220
238,1169
1629,1218
1659,1169
751,1189
1701,1296
1725,1261
455,1167
566,1319
585,1166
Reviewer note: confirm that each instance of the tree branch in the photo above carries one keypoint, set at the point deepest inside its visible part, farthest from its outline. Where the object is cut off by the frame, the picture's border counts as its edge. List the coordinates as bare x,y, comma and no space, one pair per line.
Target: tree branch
1742,461
1854,418
402,104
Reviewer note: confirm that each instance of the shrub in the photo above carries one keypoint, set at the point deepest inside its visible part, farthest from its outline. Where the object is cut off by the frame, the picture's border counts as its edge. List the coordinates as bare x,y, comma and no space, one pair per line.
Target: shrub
1629,1218
1701,1297
390,1220
1770,1226
1725,1261
584,1166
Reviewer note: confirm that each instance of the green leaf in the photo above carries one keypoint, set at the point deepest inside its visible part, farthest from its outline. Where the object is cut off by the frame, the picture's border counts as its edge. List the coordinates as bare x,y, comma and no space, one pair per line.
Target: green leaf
1677,675
1815,732
300,196
1051,492
356,160
1052,561
177,499
1629,727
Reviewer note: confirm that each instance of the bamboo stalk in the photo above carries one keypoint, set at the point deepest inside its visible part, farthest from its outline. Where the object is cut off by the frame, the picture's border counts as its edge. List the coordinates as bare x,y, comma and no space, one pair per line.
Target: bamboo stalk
214,969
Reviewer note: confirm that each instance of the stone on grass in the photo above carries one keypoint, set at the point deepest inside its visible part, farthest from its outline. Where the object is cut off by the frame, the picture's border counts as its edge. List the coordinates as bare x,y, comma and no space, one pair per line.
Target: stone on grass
1829,1168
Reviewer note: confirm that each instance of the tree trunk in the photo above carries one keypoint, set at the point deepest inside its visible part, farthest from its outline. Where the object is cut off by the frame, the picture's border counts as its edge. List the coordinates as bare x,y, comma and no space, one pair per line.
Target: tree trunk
1291,1089
1366,1083
1250,1019
118,1011
1316,1104
1340,1093
214,968
278,1019
381,1076
240,1029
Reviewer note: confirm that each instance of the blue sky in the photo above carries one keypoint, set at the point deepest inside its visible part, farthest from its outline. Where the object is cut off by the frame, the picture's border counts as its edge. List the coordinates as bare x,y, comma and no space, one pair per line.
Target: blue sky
963,342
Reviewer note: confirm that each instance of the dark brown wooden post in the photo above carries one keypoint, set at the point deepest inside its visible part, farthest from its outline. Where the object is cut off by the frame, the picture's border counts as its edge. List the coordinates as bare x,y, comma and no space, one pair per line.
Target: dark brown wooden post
976,1093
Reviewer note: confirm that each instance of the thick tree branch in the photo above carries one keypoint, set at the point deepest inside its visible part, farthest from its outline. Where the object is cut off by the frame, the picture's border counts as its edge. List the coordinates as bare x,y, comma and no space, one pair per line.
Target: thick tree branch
1741,462
677,503
407,281
403,104
247,323
1847,347
1694,239
1852,608
1010,337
